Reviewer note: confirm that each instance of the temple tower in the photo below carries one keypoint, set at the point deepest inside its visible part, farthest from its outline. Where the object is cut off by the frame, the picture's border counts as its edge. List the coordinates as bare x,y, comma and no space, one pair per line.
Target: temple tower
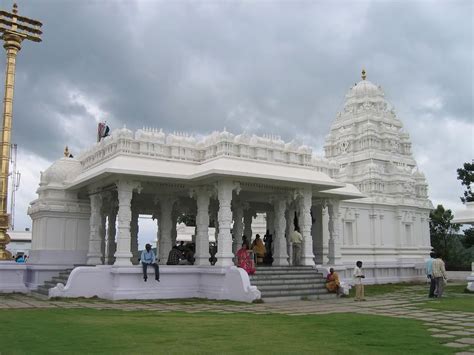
367,140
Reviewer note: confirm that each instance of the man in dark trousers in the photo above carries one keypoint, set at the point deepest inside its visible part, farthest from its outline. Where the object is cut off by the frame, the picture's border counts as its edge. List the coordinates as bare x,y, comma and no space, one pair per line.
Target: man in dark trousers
148,258
429,274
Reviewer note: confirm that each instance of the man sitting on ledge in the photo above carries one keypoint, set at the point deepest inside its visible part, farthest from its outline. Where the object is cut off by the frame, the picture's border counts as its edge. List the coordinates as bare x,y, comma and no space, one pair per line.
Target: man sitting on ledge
174,256
148,258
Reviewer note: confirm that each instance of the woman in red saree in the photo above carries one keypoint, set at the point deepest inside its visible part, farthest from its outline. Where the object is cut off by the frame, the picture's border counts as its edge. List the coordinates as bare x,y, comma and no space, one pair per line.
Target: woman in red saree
244,259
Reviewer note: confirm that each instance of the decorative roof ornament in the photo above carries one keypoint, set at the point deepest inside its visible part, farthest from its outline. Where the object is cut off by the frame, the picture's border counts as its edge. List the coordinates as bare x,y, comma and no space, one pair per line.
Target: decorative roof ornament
364,75
66,152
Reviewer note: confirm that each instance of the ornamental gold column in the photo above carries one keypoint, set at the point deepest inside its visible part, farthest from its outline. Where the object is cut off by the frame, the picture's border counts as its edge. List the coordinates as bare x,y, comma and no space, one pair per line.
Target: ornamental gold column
14,29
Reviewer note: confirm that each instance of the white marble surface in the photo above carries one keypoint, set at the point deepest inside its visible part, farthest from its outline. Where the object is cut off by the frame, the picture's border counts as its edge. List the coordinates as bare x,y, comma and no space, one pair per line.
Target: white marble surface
115,283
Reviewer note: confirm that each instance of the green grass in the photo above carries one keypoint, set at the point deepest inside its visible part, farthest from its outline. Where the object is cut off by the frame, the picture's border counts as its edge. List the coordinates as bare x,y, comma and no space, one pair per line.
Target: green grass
454,299
376,290
64,331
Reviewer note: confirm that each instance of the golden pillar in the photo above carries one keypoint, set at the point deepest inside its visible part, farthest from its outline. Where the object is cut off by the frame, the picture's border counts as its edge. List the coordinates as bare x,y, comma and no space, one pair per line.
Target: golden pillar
14,29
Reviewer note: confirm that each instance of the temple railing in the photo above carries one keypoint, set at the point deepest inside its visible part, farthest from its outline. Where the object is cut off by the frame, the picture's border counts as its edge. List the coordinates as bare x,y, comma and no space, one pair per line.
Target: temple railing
181,147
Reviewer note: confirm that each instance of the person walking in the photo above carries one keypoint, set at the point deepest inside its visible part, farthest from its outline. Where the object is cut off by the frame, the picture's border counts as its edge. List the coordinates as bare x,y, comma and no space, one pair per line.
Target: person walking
429,274
439,273
148,258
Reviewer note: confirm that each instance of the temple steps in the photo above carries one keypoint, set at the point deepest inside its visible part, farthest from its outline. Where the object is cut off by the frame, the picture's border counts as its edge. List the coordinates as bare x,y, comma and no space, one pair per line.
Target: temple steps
286,283
61,278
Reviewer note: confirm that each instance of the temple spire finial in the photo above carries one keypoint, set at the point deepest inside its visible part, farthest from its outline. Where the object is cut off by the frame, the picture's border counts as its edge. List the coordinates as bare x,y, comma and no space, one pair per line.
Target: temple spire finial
66,152
15,8
364,75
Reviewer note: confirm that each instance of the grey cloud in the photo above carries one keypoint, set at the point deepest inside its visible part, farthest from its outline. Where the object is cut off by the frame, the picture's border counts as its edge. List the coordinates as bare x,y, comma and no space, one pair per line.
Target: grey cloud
267,67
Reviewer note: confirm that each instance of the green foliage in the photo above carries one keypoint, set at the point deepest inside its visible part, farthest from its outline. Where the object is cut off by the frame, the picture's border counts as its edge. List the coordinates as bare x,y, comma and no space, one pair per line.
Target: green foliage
468,240
466,175
442,231
87,331
187,219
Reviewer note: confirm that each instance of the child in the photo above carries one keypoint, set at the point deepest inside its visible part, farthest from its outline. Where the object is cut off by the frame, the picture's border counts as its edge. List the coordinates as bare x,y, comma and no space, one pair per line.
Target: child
358,276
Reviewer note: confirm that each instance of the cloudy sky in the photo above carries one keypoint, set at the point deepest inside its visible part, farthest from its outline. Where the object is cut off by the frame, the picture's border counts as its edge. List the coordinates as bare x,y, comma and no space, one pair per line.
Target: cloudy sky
279,67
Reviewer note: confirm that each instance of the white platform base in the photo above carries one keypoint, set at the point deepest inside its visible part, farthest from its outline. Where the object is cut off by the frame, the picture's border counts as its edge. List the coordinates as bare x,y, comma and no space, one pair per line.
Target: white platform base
126,282
12,277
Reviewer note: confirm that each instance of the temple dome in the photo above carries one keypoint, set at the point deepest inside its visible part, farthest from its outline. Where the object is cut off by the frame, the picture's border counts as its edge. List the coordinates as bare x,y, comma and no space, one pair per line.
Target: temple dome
60,171
364,90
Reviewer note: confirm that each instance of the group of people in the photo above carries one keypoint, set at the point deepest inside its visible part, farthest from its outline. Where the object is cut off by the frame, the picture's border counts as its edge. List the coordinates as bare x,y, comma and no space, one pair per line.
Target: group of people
20,258
259,252
436,273
181,254
333,283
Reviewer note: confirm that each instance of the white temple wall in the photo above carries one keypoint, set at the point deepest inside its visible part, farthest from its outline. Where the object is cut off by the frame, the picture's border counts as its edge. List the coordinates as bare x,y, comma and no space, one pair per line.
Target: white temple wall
381,233
60,229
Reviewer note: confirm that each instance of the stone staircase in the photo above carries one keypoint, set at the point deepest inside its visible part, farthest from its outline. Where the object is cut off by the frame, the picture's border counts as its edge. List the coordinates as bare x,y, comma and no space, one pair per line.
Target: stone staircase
285,283
43,290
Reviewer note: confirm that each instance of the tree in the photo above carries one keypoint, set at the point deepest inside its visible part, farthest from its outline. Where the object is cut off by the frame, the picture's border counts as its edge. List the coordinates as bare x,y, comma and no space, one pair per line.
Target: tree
188,219
468,240
442,231
466,175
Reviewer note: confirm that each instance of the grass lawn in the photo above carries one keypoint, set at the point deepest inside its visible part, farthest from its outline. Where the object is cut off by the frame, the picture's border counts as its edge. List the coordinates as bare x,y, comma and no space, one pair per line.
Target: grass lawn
454,299
375,290
110,331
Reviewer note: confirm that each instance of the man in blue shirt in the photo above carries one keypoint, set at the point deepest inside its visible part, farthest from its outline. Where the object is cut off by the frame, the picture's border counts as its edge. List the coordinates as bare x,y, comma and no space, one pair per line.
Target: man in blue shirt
429,274
148,258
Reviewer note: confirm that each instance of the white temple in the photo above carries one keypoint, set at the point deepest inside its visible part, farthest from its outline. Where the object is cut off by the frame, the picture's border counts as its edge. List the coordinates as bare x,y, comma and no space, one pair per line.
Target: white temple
366,200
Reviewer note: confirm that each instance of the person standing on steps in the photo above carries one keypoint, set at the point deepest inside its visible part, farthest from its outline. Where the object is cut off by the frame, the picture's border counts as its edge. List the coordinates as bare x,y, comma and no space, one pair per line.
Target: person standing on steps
296,239
148,258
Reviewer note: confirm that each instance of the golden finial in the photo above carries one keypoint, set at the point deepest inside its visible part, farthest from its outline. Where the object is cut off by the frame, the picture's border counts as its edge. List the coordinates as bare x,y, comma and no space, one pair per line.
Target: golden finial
363,74
66,152
15,8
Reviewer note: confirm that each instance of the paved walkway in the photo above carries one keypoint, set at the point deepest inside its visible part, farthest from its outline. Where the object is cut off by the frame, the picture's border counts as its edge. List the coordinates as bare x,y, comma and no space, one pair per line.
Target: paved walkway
456,328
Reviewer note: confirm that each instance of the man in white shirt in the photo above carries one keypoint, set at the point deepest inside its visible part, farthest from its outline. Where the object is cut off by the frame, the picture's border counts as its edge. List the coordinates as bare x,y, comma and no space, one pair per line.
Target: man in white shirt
296,239
148,258
359,286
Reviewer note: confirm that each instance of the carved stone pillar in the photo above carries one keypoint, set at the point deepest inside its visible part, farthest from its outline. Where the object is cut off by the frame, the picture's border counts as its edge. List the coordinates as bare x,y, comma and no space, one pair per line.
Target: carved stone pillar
305,222
238,214
224,217
334,246
203,196
174,231
102,233
134,236
317,233
166,228
111,244
280,254
94,254
125,193
290,227
248,217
